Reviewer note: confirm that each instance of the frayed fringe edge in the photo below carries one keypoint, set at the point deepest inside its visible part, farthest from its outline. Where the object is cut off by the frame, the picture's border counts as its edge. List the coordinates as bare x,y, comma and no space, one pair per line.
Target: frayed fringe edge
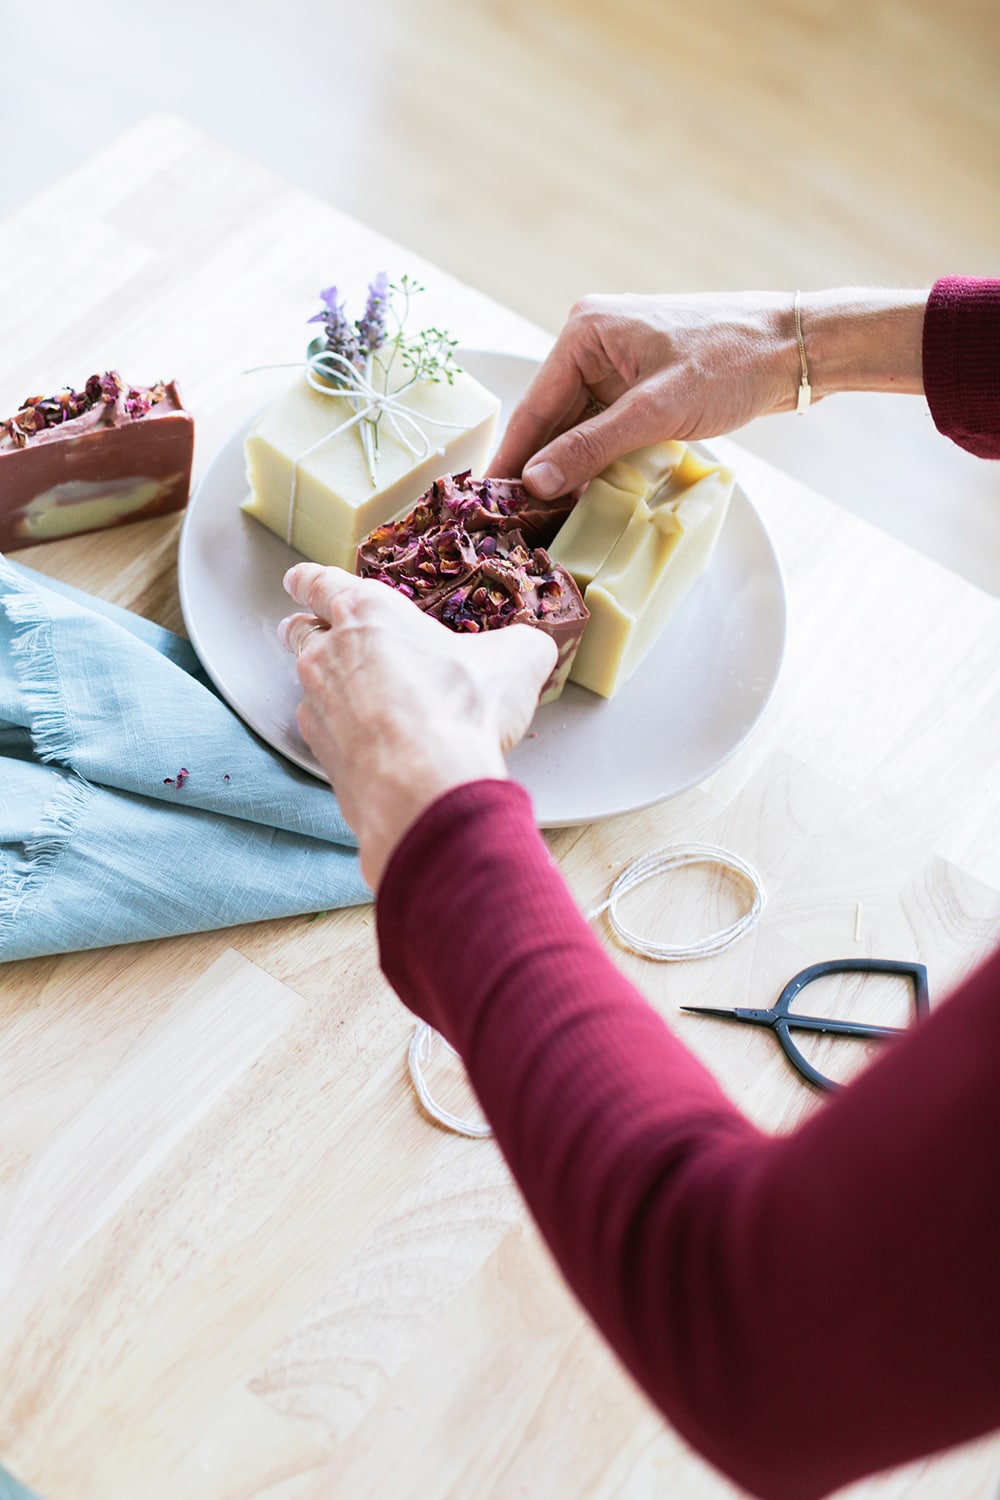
35,665
20,885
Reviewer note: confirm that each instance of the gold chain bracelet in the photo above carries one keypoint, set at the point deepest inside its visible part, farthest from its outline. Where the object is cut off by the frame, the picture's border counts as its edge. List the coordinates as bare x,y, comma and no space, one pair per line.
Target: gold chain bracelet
805,389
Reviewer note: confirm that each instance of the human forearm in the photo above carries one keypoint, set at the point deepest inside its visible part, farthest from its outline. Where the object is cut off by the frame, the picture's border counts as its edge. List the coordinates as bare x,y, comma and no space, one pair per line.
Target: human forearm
790,1303
863,339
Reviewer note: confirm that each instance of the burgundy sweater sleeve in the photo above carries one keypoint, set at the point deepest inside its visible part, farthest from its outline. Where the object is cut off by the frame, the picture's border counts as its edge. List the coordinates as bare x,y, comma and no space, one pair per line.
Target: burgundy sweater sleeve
806,1308
961,357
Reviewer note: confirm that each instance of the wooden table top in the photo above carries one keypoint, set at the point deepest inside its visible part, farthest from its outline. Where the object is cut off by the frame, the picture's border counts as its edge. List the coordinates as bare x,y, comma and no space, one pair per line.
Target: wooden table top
272,1276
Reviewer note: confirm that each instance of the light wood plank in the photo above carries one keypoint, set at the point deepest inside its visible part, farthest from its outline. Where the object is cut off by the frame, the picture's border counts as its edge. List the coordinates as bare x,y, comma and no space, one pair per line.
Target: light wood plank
240,1262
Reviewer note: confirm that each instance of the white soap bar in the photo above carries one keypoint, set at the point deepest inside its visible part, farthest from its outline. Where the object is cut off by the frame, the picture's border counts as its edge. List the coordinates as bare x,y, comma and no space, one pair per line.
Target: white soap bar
606,506
664,548
318,495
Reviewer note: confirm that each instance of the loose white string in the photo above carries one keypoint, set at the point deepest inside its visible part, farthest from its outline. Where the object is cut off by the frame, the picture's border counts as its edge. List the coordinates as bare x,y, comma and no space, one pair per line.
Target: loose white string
419,1054
659,862
676,857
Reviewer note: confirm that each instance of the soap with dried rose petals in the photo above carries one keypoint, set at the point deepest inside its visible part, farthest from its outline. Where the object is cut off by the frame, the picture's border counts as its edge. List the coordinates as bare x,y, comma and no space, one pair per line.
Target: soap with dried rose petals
83,460
468,554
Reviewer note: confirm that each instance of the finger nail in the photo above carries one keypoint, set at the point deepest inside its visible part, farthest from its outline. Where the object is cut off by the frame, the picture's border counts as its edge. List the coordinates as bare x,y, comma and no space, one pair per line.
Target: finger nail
545,479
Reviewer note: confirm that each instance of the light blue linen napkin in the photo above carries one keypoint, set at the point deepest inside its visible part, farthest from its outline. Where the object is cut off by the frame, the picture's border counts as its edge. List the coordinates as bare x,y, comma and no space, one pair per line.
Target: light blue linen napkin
11,1490
102,839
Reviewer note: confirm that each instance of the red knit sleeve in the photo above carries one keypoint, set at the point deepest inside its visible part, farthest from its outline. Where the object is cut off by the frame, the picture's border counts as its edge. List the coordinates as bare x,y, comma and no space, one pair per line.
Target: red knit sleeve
961,357
805,1309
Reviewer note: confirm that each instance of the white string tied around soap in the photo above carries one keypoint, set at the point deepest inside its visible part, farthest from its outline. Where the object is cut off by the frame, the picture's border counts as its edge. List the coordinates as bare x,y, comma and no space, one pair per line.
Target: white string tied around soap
356,386
658,862
676,857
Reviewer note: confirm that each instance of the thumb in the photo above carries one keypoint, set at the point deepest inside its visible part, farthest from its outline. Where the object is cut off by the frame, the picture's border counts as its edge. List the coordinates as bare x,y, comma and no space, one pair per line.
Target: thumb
582,452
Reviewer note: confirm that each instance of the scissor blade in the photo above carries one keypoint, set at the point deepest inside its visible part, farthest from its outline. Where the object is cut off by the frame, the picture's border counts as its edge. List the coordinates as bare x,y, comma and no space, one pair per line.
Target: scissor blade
795,1022
838,1028
761,1017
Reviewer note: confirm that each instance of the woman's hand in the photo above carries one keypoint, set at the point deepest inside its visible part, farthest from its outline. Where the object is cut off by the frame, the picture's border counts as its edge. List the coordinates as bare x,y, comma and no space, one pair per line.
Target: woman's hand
694,366
397,708
662,366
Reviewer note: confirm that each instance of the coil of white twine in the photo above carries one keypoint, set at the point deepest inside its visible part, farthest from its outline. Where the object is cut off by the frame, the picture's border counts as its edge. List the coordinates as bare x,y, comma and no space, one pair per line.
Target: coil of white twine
676,857
418,1056
658,862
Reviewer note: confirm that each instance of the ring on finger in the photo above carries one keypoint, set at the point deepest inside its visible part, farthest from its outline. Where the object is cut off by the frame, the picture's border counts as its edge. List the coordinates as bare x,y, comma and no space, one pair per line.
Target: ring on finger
301,646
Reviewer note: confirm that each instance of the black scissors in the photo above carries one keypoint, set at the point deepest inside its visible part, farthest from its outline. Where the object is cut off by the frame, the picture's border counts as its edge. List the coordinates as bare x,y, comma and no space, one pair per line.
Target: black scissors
783,1020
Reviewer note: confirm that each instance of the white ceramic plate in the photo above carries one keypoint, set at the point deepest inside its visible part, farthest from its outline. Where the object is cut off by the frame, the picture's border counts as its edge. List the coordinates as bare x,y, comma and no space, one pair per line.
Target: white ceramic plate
690,705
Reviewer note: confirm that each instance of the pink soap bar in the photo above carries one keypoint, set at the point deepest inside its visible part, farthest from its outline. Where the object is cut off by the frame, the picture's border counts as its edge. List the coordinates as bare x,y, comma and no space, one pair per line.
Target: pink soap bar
83,460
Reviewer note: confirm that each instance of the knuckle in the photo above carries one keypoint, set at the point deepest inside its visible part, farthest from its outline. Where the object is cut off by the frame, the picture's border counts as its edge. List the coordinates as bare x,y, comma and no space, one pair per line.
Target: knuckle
308,670
588,307
314,587
585,446
643,408
363,606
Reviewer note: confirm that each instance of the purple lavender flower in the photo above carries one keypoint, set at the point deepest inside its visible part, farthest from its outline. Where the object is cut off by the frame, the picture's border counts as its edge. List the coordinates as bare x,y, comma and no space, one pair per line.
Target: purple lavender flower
341,338
371,327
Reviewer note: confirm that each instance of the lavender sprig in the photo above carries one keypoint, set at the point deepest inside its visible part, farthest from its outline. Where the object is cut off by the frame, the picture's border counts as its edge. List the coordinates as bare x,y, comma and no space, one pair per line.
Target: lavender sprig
346,341
341,337
371,327
426,355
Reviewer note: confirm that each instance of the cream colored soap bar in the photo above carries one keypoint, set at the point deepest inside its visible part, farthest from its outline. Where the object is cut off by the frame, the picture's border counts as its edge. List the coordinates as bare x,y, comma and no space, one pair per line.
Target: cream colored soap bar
606,506
319,495
664,547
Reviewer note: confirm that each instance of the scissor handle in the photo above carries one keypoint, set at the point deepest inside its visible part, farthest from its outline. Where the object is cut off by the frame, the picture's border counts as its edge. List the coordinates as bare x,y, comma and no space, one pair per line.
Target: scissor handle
784,1019
801,1064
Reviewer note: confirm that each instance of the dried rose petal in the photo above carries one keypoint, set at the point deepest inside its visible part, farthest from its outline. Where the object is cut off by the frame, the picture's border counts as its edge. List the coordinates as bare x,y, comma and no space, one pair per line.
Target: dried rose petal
40,412
471,534
111,385
137,403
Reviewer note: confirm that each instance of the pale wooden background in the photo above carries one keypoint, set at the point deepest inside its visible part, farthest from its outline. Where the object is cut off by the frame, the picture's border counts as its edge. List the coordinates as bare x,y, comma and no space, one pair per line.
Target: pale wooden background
265,1275
235,1261
543,148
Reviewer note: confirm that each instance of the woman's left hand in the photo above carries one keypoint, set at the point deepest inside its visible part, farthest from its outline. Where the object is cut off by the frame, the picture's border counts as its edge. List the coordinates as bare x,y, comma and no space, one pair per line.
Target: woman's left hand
398,708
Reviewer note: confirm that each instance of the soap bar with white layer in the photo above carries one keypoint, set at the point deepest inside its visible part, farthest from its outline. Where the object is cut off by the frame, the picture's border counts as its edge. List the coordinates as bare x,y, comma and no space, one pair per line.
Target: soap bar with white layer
318,495
665,546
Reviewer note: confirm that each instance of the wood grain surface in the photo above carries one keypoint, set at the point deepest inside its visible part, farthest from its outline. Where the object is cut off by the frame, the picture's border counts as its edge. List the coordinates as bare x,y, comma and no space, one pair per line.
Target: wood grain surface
236,1260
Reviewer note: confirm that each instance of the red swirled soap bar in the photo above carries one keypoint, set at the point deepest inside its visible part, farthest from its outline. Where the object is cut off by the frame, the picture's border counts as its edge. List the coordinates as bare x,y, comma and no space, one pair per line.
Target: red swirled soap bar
468,554
83,460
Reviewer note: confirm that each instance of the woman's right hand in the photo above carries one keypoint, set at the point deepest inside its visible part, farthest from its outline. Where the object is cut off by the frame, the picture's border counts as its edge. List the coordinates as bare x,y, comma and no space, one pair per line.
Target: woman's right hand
696,365
684,366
